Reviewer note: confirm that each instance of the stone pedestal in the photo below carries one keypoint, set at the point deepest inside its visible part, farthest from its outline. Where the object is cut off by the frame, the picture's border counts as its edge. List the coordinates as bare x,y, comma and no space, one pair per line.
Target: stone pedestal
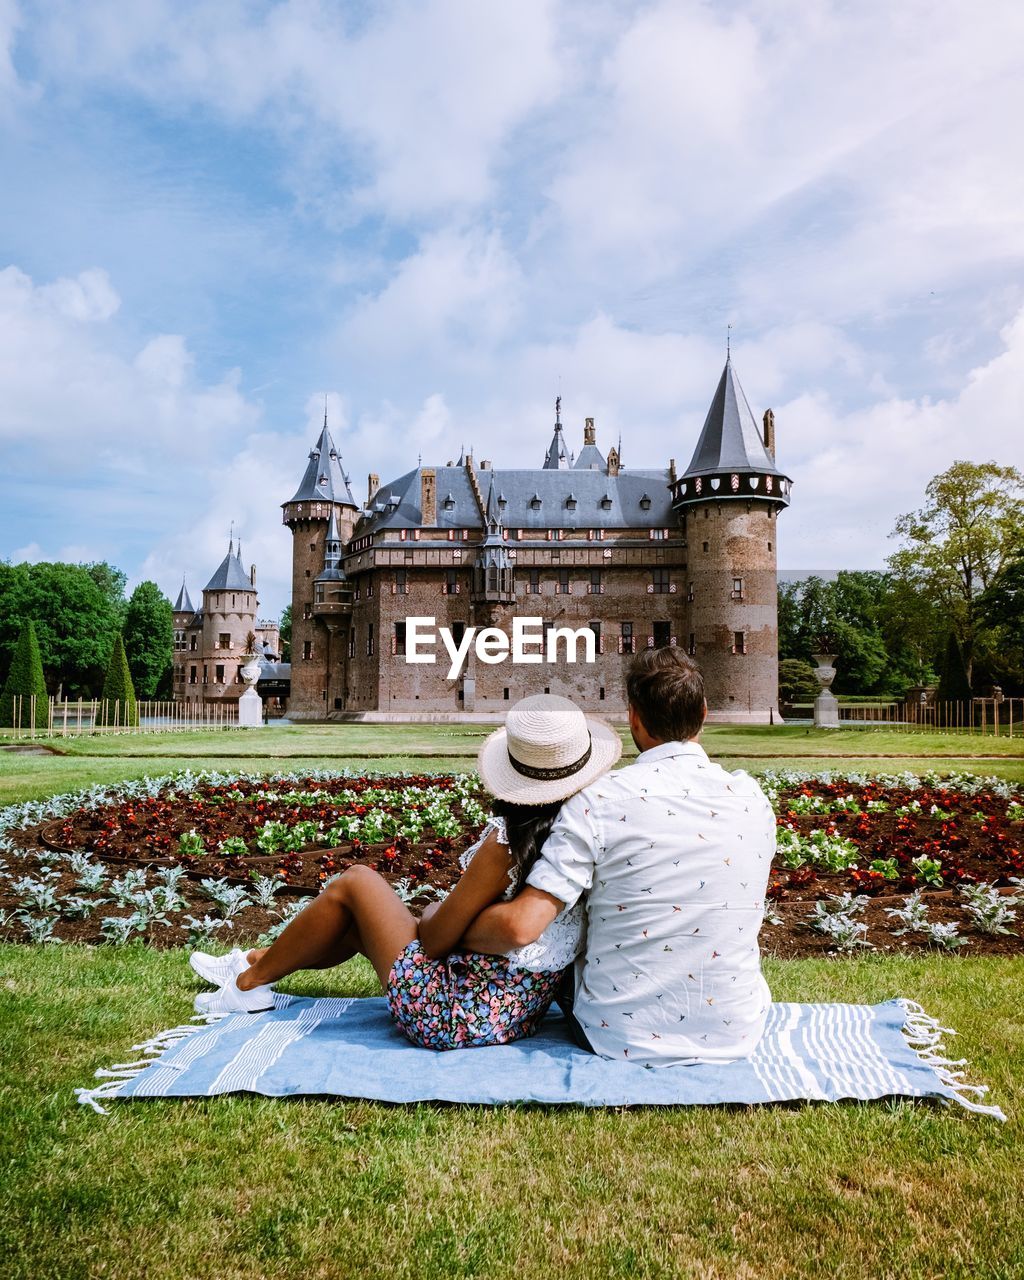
826,708
250,710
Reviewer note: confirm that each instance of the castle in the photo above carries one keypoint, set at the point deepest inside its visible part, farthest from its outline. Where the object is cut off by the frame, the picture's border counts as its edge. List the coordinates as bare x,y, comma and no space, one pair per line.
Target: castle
641,557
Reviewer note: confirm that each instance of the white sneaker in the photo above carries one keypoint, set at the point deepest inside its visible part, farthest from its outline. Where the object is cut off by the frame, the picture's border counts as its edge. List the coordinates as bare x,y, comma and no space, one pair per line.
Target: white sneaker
219,969
230,999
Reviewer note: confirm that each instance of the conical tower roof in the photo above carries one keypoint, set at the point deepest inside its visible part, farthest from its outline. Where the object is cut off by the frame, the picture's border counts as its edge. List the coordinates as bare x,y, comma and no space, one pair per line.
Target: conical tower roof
730,440
325,479
557,457
183,604
230,574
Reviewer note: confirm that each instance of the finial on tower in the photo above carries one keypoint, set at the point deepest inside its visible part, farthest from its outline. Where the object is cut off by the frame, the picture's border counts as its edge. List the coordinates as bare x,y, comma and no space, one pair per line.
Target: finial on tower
325,410
728,342
558,412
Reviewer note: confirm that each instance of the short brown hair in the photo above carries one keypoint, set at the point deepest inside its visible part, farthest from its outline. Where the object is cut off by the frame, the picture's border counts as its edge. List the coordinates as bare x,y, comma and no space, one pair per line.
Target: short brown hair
666,689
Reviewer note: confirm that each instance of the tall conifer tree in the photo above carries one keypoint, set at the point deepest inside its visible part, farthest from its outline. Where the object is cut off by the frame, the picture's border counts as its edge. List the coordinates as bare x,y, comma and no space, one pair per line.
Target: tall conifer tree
25,681
118,688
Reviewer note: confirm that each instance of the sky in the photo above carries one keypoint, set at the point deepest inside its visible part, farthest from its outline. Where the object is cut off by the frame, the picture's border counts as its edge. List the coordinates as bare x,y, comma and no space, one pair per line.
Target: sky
437,215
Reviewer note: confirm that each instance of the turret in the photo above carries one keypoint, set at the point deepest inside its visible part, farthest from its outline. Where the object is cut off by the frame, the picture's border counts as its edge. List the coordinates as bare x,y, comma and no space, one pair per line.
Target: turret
557,457
492,572
728,500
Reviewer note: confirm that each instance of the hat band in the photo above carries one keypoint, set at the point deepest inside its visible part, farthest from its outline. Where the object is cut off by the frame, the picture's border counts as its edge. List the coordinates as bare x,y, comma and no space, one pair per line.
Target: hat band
552,775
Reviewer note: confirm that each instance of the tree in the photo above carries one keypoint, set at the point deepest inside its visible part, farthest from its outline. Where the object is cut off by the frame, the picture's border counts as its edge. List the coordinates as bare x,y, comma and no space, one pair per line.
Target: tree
1001,608
286,634
797,681
957,544
25,680
148,638
953,683
118,688
76,620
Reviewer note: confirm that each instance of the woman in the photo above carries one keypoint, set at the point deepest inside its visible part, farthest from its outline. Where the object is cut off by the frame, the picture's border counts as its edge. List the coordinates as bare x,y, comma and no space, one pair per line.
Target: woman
442,997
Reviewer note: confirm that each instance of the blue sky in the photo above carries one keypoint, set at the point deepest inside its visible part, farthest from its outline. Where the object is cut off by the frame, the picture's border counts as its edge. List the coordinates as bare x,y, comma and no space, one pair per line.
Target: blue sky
442,214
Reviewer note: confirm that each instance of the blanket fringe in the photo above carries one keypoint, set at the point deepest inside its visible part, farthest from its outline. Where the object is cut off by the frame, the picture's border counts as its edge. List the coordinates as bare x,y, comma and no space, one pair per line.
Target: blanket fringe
119,1073
924,1035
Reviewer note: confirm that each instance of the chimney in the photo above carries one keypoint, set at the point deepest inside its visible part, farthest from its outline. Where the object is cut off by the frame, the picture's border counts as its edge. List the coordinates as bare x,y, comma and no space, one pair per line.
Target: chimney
428,497
671,470
589,432
372,485
613,461
769,433
485,464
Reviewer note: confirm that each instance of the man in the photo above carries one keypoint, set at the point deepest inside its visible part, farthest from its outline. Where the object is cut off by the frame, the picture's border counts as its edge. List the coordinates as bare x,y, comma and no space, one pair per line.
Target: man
673,853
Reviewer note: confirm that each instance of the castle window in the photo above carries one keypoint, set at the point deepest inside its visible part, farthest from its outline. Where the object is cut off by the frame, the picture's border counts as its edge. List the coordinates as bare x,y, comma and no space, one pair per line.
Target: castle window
398,644
739,642
312,546
308,574
504,693
662,635
206,674
689,593
627,644
352,642
401,585
218,674
535,502
570,502
598,638
606,502
194,639
224,640
645,502
769,546
707,546
657,535
369,588
451,583
661,584
564,586
318,597
533,587
737,588
369,639
192,675
307,650
596,585
600,694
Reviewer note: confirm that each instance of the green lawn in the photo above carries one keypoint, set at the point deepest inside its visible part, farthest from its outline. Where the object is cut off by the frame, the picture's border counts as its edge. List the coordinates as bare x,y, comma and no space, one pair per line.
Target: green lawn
250,1188
245,1187
393,747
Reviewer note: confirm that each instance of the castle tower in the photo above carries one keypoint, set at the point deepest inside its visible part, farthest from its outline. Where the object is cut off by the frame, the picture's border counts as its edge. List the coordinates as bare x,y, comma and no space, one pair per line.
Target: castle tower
228,615
728,499
492,572
318,650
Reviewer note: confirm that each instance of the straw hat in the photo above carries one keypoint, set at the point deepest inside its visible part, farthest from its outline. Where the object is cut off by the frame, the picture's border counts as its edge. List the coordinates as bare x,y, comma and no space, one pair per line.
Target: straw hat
548,750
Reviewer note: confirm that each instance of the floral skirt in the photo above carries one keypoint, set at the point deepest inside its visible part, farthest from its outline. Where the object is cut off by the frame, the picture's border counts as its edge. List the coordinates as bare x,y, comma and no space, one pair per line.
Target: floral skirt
467,1000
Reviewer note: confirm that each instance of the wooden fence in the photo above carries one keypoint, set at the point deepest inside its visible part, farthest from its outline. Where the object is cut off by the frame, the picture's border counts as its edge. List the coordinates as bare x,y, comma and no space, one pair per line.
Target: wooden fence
60,719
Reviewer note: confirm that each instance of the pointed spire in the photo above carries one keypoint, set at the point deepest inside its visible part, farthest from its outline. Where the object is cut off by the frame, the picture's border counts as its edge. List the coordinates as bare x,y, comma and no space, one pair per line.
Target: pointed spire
492,509
183,604
730,439
325,479
557,458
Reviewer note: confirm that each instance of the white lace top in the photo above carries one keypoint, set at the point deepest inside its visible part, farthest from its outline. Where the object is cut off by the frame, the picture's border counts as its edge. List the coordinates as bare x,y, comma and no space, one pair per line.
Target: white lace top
561,942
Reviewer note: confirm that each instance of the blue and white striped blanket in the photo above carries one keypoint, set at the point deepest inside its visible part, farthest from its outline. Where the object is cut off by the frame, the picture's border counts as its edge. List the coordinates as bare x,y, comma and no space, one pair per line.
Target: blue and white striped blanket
349,1048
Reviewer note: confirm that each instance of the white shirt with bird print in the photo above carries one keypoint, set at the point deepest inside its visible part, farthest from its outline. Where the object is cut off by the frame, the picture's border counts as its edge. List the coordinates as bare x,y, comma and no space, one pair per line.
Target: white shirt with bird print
673,853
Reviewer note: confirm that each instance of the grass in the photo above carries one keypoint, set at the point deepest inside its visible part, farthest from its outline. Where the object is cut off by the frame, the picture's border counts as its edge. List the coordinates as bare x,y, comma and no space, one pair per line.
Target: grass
392,747
245,1187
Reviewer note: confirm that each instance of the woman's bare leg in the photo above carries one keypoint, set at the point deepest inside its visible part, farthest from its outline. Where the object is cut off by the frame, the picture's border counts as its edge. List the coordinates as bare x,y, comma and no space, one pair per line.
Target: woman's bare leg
322,934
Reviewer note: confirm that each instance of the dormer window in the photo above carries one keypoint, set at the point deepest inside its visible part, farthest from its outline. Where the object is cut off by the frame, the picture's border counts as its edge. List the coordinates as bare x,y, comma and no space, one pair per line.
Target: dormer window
502,501
645,502
570,502
449,502
606,502
535,502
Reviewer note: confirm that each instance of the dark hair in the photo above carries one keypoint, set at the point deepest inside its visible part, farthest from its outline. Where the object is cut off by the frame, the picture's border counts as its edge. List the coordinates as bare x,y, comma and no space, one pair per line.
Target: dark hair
528,826
666,689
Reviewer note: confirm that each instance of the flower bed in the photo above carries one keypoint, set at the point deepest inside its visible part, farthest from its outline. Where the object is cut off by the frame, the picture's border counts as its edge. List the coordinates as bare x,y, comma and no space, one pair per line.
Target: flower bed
896,862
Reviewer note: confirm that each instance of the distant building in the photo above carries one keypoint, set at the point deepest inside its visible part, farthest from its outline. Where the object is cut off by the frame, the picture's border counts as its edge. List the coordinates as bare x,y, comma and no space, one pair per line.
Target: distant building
209,642
644,557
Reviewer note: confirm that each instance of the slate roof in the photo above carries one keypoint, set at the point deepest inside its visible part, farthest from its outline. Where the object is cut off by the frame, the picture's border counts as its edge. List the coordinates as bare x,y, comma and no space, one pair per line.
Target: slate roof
730,439
590,459
457,507
557,457
230,575
183,604
325,479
